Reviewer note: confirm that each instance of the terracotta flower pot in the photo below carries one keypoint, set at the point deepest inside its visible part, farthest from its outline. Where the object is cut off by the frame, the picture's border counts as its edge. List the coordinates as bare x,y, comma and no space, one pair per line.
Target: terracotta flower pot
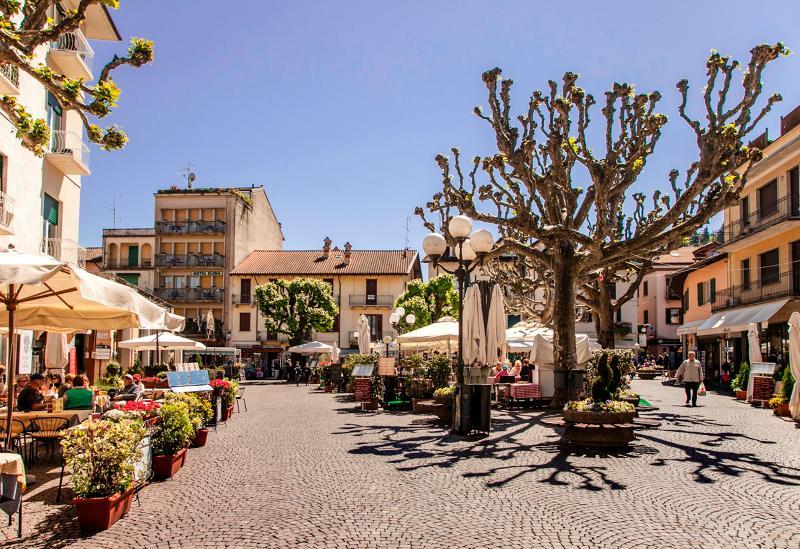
328,387
100,513
227,412
741,395
200,438
166,465
782,409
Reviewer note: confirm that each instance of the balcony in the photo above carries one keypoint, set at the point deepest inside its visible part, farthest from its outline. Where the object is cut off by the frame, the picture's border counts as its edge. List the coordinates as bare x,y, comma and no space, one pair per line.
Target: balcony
72,55
190,260
65,250
757,221
371,300
68,153
125,264
6,213
198,330
243,299
784,285
190,227
193,295
9,80
270,336
377,336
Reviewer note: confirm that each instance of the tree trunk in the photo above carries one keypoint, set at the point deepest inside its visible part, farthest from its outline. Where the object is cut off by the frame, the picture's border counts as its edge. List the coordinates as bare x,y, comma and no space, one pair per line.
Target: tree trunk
604,316
564,289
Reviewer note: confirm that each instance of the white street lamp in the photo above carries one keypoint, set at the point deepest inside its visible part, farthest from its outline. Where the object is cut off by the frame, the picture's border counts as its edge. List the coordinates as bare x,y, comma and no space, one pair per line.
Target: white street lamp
410,319
466,252
394,318
400,311
434,245
481,241
460,227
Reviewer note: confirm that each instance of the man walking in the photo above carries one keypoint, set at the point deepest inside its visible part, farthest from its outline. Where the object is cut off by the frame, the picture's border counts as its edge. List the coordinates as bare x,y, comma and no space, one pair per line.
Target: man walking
691,374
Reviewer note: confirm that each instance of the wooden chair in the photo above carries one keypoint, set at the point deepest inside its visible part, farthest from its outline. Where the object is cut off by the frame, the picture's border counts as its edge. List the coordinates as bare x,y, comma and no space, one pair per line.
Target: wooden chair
48,431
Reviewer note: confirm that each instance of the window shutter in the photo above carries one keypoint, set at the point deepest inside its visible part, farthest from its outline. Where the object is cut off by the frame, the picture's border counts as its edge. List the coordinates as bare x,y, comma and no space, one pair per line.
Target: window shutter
50,209
699,294
712,291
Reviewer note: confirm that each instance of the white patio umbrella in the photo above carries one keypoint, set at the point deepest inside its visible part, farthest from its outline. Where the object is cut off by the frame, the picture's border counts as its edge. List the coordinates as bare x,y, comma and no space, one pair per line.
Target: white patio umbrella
41,293
496,327
794,363
167,340
755,346
364,335
335,353
311,348
474,342
441,334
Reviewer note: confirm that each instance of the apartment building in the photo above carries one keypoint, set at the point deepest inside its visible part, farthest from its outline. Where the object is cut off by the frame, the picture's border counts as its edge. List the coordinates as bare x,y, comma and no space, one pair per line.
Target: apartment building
200,236
625,320
699,284
761,237
659,308
129,254
40,197
363,282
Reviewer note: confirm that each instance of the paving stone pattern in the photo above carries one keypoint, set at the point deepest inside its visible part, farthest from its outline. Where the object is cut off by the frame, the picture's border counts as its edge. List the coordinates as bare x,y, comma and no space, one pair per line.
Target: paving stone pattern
304,469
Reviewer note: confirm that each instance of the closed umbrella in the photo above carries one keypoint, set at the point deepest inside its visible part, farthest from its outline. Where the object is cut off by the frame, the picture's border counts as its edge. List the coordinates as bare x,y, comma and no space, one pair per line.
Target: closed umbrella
794,363
56,351
335,353
753,343
496,327
474,341
210,329
364,335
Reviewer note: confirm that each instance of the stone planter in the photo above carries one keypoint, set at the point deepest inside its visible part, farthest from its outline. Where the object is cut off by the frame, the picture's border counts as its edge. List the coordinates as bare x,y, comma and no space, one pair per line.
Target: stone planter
370,406
741,395
95,514
631,400
647,375
166,465
200,438
598,418
782,409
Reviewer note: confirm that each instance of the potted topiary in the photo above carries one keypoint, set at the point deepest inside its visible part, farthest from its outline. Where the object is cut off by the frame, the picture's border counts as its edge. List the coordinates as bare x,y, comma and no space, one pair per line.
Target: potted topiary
200,414
173,433
102,455
443,396
781,401
589,421
739,383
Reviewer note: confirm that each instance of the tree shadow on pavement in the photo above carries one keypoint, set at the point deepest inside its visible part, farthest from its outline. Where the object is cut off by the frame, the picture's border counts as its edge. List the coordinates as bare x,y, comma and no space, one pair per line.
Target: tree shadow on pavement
505,454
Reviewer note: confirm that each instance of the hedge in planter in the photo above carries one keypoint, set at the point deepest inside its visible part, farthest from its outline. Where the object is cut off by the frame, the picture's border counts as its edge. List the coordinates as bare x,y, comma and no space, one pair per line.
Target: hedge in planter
200,414
101,456
174,432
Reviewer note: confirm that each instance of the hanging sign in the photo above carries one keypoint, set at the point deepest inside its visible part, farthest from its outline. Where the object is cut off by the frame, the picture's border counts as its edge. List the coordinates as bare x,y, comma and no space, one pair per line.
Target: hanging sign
25,351
73,361
205,273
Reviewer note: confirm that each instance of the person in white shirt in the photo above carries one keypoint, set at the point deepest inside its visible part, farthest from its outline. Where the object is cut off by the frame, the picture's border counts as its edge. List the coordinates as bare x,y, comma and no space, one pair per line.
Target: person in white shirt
691,374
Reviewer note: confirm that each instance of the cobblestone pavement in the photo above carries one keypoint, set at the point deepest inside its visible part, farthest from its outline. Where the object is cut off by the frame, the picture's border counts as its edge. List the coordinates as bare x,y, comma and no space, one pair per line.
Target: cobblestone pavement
302,468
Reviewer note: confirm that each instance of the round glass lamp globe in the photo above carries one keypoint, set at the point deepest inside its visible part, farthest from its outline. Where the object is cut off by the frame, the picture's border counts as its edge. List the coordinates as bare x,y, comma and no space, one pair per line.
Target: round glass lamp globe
355,335
460,226
434,245
467,253
411,319
481,241
394,318
400,311
387,339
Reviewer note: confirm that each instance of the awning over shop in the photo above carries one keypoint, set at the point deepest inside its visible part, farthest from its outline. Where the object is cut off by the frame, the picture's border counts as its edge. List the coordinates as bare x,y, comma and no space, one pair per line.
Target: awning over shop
690,327
737,320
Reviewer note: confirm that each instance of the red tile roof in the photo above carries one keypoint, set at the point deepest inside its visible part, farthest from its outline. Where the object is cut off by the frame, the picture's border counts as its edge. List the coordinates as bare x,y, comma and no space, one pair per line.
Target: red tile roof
313,262
92,253
682,255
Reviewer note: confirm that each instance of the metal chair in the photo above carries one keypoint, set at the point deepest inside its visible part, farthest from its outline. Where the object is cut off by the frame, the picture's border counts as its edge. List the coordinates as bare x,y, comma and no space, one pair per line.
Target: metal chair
20,438
7,500
240,397
48,431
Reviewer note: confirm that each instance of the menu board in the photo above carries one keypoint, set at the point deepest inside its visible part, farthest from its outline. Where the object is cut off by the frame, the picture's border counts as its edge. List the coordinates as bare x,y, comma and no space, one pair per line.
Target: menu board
386,366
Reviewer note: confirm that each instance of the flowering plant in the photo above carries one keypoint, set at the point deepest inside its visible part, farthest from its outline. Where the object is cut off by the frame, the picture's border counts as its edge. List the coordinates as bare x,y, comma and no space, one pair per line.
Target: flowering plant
176,429
226,389
609,406
776,400
200,412
139,408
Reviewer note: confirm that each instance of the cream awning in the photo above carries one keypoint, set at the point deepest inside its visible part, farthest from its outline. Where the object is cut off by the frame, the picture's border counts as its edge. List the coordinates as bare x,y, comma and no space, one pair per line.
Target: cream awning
690,327
737,320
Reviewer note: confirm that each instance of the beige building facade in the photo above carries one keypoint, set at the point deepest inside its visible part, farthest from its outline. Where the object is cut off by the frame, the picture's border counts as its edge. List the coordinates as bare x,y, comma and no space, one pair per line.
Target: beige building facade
363,282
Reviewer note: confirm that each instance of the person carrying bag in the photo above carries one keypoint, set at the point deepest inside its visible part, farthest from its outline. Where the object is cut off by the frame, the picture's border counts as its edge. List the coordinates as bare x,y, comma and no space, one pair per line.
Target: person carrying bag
691,374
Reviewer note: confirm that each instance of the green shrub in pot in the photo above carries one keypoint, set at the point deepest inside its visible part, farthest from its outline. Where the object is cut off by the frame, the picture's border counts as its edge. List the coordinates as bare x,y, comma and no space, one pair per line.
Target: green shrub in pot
175,429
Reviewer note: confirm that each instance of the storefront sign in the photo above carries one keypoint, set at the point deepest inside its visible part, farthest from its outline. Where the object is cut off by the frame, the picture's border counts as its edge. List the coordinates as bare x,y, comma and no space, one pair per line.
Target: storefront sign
73,361
101,353
25,351
206,273
101,336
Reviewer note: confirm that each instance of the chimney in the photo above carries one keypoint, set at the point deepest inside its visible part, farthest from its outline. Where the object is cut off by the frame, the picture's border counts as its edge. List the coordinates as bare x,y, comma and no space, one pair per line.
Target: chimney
326,247
347,248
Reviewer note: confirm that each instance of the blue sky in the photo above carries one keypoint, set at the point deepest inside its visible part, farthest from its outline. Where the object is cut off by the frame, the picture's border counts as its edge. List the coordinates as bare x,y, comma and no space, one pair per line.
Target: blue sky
339,108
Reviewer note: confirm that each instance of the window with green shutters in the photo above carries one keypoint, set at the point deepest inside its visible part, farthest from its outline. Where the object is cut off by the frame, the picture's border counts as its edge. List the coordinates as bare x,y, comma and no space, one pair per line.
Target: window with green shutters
49,216
712,290
700,294
130,278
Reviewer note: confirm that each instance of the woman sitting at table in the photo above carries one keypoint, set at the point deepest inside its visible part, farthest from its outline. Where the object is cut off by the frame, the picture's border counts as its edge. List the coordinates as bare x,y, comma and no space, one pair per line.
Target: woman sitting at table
66,386
503,372
497,369
79,397
515,371
526,373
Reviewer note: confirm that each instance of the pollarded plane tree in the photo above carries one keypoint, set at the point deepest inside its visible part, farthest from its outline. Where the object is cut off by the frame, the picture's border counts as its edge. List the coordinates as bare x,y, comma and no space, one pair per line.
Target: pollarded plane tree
531,186
25,27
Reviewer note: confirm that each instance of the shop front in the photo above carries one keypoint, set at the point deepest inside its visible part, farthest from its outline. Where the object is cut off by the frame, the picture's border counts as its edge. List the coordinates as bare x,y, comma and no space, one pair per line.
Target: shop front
261,360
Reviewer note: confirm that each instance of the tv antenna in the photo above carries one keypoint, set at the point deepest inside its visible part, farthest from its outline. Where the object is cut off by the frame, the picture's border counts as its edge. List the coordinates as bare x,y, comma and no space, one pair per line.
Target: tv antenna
189,175
113,210
408,221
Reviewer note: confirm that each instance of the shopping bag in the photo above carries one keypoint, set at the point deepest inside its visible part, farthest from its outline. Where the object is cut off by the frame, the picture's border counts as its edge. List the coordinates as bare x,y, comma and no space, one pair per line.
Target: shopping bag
702,390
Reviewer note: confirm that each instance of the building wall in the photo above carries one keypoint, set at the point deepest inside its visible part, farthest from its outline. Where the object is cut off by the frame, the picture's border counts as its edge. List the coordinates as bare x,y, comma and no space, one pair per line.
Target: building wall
656,303
627,315
717,271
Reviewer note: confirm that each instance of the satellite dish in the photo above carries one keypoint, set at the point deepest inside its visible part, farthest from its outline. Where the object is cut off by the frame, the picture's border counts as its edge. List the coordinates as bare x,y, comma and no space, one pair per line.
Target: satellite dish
190,178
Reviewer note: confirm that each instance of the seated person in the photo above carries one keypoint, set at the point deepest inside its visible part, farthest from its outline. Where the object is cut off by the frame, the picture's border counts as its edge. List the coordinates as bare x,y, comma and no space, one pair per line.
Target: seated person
515,371
497,369
79,397
131,391
21,383
503,372
67,385
526,372
30,398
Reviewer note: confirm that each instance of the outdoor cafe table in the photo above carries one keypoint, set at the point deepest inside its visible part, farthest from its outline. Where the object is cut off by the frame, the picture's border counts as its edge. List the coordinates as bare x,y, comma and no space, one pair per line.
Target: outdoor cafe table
73,417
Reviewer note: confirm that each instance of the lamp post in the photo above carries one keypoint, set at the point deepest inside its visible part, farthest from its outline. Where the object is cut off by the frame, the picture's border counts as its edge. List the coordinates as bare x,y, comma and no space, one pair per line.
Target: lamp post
471,249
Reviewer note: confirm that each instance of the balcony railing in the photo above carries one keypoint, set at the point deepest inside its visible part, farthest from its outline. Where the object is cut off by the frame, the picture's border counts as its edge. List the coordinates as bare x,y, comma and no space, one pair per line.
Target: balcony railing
263,335
65,250
243,299
190,260
68,152
783,285
377,336
190,227
786,208
11,73
6,213
193,328
190,294
371,300
126,264
74,42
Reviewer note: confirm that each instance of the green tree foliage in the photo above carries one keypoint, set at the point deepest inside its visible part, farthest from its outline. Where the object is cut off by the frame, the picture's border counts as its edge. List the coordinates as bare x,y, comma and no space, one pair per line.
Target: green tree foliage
297,307
430,301
24,27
